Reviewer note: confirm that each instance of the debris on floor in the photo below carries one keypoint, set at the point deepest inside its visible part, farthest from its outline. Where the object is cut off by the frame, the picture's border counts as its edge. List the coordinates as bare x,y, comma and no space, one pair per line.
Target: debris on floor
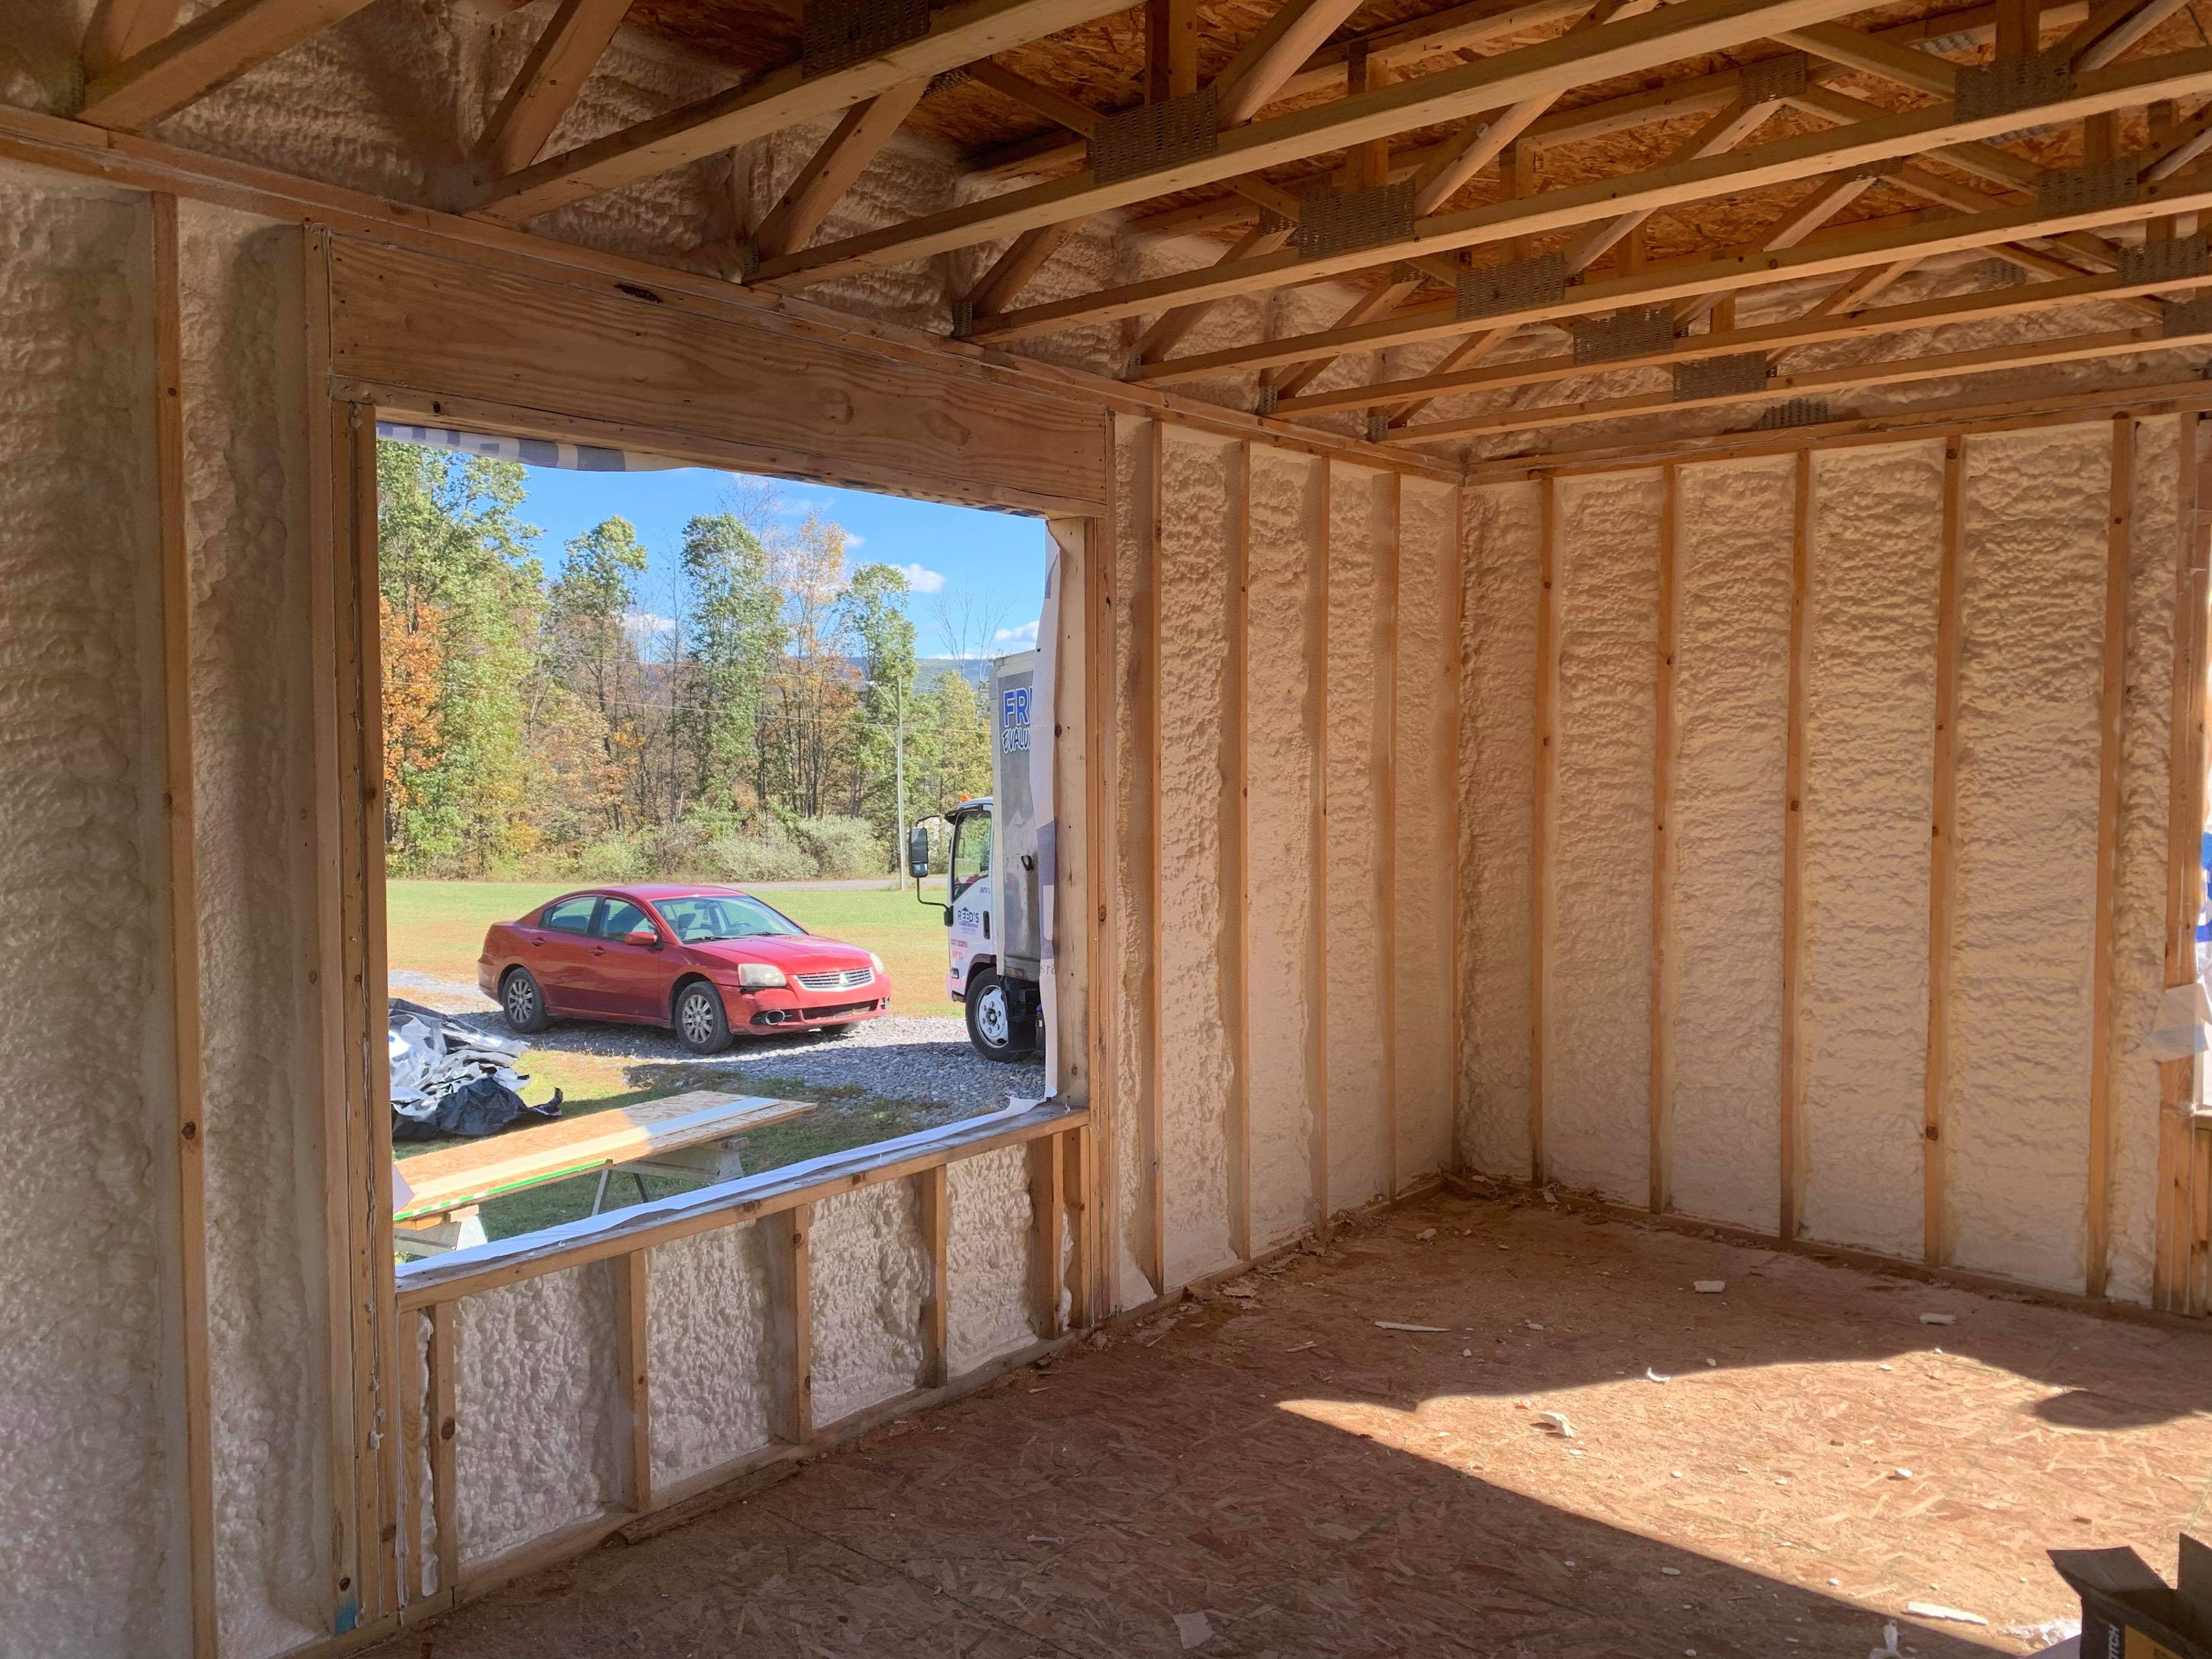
1193,1628
1710,1286
450,1079
1937,1610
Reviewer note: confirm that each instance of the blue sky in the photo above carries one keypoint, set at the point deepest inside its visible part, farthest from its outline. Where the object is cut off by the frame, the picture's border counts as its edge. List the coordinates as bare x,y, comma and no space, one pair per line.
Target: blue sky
991,565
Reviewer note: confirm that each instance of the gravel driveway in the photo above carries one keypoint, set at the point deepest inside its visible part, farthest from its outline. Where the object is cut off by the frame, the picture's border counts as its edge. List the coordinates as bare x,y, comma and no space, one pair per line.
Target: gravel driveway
922,1063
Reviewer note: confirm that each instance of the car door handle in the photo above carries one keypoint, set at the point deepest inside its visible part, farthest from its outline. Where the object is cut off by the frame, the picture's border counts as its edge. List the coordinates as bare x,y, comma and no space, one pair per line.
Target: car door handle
599,950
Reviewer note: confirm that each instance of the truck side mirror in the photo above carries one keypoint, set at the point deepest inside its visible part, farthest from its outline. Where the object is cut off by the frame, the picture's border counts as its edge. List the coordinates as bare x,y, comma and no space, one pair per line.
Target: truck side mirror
917,851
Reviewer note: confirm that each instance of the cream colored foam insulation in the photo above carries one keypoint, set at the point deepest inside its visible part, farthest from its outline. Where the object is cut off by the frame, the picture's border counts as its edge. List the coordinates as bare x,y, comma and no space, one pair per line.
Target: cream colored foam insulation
245,499
536,1394
1202,476
1281,689
1500,597
2031,581
1598,1033
91,1436
1130,870
1731,736
2139,940
1870,753
709,1351
987,1258
1424,663
871,1275
1354,869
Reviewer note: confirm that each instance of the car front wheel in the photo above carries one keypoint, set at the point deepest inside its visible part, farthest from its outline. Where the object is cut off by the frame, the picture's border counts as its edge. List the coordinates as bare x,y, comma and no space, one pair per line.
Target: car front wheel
701,1026
522,1002
992,1026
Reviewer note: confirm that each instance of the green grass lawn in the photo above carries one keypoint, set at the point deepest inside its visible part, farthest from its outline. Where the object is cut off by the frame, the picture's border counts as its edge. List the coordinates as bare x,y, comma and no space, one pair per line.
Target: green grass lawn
437,927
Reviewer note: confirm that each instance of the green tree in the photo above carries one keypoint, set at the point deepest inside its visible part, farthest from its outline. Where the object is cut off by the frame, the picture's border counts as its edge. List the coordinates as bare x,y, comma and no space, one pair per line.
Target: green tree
456,563
949,755
874,607
589,651
733,621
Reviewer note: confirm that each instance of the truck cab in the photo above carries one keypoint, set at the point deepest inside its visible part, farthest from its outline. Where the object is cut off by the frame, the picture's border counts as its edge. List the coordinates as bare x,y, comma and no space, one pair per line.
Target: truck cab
992,965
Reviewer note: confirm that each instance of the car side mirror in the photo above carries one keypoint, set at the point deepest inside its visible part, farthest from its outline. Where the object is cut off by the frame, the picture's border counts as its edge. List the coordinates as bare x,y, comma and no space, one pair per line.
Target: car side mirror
644,936
917,852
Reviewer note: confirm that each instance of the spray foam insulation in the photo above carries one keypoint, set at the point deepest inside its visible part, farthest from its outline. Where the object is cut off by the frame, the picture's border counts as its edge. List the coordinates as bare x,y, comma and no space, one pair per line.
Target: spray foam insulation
535,1398
1422,664
987,1258
2156,546
92,1436
1279,781
871,1275
709,1351
1733,549
1354,964
245,505
1597,1034
1503,541
1202,481
1869,746
1130,869
2032,605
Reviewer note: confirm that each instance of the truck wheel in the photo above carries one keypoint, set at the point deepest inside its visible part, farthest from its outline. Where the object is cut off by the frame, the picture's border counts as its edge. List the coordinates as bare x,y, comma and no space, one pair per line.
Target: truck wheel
991,1024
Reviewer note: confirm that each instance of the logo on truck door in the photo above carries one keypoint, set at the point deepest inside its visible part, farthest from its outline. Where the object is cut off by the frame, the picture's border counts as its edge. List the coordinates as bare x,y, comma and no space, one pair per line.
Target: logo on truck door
1014,720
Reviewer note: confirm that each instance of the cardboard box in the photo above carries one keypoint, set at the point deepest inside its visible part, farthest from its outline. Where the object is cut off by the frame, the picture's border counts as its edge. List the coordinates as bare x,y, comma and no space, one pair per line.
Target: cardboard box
2127,1612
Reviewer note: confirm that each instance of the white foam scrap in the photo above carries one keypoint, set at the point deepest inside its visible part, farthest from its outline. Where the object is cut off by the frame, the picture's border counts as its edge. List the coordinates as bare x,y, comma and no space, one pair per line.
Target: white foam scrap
1393,1324
1939,1318
1710,1286
1656,1377
1193,1628
1936,1610
1557,1422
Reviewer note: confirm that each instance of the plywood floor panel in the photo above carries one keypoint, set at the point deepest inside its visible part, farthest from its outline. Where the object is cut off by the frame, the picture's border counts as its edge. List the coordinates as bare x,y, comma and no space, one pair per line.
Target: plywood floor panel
1314,1485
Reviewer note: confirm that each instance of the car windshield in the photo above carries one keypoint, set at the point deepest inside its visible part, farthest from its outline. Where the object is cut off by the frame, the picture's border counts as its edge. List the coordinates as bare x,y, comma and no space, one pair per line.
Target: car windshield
702,918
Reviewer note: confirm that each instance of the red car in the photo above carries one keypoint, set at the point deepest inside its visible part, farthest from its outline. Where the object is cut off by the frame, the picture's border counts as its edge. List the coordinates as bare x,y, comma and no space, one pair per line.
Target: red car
706,962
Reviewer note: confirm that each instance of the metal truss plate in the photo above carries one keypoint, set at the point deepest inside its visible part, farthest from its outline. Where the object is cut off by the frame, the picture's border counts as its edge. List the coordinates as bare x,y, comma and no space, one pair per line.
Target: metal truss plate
946,81
1798,411
2175,261
1152,136
1378,428
1720,377
840,33
2085,190
1514,285
1623,334
2010,84
2187,317
1889,169
1357,219
1772,78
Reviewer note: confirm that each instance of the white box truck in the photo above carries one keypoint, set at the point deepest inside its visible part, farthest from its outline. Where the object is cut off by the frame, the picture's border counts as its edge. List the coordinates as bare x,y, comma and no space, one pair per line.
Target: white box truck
991,909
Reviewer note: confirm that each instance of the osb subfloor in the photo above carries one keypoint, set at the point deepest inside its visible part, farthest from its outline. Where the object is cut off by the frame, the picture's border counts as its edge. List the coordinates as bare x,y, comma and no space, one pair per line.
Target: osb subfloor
1776,1469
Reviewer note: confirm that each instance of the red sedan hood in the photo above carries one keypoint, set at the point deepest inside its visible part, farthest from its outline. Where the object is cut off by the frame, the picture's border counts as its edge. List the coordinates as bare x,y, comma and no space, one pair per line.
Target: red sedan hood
795,953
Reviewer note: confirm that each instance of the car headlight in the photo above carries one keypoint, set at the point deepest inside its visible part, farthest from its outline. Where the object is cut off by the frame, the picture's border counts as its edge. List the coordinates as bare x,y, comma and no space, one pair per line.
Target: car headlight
755,976
876,962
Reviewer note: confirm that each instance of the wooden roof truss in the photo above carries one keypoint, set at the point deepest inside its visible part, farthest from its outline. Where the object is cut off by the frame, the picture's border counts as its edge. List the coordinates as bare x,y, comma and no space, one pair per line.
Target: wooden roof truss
1456,244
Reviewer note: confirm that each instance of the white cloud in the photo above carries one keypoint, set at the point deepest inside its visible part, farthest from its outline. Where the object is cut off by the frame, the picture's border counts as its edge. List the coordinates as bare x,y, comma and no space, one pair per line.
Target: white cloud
644,625
922,581
1018,639
851,540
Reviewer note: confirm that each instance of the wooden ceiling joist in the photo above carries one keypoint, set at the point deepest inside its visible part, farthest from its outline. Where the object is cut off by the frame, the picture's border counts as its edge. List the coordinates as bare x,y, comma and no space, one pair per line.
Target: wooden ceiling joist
829,171
1937,365
1400,47
546,88
1822,326
1835,253
217,46
1882,139
958,34
1626,46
